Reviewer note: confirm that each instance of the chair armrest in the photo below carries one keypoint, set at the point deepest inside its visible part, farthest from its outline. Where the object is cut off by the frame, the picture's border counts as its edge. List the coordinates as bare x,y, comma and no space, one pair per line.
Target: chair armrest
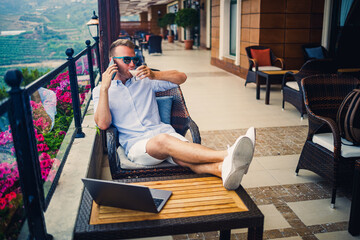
194,130
287,77
112,144
281,62
316,122
253,63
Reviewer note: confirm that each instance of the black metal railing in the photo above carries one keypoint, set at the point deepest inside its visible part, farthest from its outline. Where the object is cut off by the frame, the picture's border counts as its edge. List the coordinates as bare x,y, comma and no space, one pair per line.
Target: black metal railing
20,115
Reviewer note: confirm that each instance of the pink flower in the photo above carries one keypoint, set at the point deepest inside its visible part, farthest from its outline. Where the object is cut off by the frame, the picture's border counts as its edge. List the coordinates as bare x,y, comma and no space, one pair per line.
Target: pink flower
44,156
40,137
42,147
44,173
10,196
2,203
45,163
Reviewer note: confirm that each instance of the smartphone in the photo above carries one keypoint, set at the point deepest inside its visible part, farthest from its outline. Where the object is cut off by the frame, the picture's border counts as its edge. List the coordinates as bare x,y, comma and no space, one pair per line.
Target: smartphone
112,63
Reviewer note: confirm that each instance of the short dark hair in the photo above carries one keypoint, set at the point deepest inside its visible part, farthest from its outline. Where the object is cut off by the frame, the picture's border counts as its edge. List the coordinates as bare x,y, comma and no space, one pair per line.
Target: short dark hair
121,42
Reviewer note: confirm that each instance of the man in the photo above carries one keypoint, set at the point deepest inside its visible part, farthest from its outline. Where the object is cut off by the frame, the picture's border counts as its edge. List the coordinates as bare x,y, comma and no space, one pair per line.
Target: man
130,105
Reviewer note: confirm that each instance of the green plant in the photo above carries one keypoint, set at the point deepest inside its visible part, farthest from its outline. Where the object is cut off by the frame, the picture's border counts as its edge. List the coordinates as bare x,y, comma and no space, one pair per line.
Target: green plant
169,19
161,22
187,18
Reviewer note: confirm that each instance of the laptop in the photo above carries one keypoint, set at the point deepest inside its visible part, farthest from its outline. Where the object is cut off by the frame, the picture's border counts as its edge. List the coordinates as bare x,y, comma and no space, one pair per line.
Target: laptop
123,195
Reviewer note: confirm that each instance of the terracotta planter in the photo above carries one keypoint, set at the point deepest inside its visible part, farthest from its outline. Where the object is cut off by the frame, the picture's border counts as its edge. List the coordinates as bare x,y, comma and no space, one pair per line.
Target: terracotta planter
188,44
170,39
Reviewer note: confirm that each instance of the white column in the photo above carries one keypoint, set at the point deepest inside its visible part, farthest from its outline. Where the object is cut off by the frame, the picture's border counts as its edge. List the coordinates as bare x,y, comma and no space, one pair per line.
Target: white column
325,38
221,30
208,19
238,32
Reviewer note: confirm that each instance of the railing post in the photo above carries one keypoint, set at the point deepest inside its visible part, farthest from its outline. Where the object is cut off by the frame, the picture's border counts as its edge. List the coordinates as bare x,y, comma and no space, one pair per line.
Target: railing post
75,93
27,157
91,69
98,54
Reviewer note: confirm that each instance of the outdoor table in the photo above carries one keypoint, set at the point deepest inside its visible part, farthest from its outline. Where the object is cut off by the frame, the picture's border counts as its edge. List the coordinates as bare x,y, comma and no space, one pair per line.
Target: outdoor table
271,77
354,222
199,203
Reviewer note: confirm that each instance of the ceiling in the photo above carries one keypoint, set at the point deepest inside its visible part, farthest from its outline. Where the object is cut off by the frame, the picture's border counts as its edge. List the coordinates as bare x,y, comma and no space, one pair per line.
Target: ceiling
131,7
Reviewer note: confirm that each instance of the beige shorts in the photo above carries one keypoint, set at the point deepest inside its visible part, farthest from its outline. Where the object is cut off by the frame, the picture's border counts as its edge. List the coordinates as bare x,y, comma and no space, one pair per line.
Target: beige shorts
138,154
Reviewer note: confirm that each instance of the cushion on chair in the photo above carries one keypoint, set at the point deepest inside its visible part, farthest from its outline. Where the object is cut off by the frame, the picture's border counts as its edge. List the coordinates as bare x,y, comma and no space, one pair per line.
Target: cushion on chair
262,56
315,52
293,84
125,163
267,68
165,105
327,141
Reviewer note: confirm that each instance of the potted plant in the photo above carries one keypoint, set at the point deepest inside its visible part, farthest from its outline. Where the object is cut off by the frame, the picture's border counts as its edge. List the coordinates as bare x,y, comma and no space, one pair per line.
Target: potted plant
161,23
187,18
169,19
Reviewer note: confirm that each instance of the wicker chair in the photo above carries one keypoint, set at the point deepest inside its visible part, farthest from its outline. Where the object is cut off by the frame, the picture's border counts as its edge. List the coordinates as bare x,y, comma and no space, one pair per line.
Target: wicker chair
291,85
253,65
181,122
323,152
154,44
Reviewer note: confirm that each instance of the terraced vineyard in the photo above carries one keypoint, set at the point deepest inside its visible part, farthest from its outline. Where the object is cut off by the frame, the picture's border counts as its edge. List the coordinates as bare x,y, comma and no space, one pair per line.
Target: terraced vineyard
15,50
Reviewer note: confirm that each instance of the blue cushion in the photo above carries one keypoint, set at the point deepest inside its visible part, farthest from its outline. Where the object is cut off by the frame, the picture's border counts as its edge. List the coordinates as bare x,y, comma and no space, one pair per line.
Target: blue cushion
165,105
315,52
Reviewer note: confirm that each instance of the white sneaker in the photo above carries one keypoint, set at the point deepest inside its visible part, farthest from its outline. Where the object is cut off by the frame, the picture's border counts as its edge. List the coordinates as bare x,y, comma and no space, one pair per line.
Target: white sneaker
238,160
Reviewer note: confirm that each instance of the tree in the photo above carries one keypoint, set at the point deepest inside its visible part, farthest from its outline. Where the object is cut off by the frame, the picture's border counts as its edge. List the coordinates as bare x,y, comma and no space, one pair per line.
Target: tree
187,18
169,19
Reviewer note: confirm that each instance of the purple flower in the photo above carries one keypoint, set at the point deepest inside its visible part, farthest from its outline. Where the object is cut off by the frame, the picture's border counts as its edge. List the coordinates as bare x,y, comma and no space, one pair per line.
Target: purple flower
62,133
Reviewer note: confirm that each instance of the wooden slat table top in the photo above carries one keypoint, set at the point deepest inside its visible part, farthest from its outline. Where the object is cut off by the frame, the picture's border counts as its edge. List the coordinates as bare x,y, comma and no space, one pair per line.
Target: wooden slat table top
278,72
347,70
191,197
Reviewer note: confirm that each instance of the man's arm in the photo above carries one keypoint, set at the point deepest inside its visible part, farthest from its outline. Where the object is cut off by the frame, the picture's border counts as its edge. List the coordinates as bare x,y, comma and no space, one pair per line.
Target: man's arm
102,114
170,75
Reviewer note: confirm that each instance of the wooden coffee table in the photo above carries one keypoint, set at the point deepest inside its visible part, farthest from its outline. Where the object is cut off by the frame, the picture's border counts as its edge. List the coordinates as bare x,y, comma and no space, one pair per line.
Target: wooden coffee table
271,77
199,204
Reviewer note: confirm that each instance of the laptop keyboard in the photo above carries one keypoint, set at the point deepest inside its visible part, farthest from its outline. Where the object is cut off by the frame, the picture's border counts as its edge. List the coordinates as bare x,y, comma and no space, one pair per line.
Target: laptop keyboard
158,201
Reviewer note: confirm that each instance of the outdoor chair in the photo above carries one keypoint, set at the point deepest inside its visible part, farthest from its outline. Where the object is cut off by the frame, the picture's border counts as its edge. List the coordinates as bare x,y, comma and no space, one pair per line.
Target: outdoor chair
154,44
122,167
325,152
140,55
263,61
291,85
314,51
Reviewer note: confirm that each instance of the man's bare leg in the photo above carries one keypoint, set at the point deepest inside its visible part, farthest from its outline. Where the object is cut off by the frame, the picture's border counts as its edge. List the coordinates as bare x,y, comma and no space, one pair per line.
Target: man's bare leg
164,145
211,168
230,164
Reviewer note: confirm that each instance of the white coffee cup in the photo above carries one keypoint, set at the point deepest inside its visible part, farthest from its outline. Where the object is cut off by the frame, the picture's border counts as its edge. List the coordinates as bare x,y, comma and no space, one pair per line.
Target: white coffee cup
134,72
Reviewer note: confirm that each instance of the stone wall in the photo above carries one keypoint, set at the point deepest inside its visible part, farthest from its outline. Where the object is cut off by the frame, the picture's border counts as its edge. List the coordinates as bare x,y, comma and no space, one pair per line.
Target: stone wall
153,17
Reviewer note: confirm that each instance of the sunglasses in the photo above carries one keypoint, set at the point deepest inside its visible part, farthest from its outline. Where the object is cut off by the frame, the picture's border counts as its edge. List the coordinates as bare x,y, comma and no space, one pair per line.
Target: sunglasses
127,60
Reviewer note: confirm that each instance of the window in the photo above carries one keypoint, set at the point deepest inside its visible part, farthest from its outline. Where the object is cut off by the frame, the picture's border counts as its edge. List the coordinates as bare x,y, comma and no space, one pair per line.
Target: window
230,30
233,15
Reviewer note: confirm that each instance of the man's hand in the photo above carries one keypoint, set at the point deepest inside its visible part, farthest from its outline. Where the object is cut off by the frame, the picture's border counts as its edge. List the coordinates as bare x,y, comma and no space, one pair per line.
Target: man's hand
169,75
107,75
144,71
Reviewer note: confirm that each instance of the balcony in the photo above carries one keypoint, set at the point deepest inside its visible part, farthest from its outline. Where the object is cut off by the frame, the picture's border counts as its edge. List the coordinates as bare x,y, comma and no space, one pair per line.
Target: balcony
295,207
